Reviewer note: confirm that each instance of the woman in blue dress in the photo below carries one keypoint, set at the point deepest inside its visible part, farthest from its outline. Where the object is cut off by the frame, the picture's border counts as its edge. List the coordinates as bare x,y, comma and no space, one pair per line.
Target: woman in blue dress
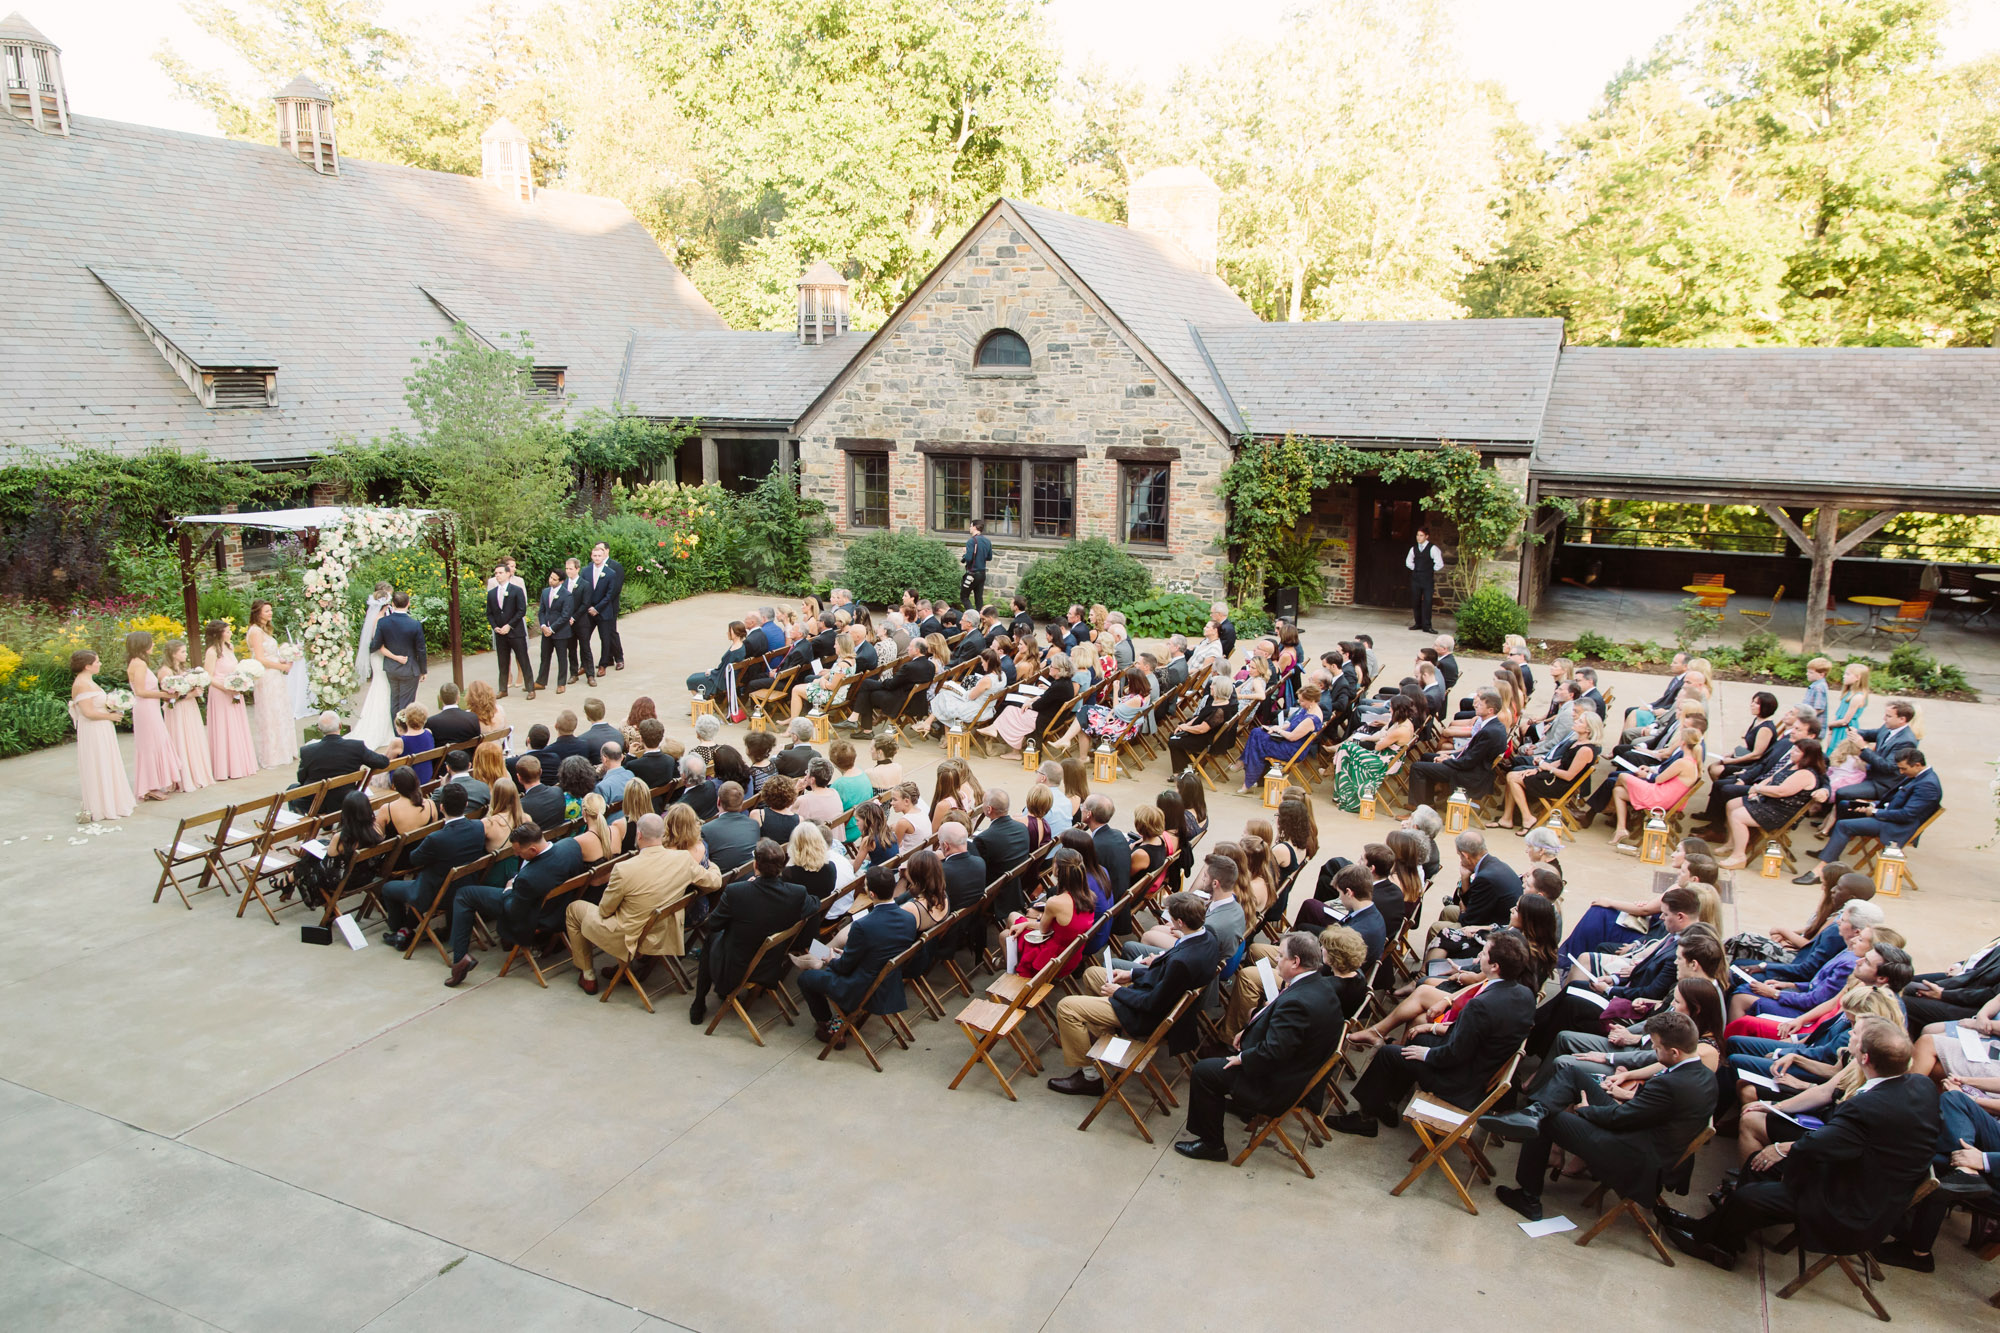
1281,743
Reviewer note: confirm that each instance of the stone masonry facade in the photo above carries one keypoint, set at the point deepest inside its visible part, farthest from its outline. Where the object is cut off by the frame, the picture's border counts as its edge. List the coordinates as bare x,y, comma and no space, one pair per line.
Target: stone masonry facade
1088,394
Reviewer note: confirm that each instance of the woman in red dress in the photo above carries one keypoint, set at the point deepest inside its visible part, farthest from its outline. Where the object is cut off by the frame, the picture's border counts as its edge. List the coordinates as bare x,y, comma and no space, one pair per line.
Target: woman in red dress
1068,913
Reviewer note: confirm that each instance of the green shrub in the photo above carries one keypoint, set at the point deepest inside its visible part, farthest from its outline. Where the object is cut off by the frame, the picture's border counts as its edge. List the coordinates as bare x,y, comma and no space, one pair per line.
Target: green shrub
1251,621
1592,644
775,553
1296,564
1697,623
31,720
1083,573
1487,617
1913,668
879,566
1169,613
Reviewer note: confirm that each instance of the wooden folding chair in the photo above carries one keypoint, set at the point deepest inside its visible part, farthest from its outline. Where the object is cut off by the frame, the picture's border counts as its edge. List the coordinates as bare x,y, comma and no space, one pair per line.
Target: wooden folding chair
1782,836
1263,1128
526,949
850,1026
1137,1060
191,847
774,701
1221,750
440,905
249,823
1441,1127
668,963
739,1000
1867,848
1861,1269
367,870
1630,1207
1909,620
986,1022
274,856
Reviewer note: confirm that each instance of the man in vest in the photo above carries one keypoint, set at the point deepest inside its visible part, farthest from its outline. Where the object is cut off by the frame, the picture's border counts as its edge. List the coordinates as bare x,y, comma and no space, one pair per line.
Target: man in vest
1423,561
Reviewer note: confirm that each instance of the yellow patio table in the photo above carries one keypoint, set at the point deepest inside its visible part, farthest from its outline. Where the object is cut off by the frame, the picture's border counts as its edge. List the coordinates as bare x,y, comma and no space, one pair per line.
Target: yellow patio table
1876,606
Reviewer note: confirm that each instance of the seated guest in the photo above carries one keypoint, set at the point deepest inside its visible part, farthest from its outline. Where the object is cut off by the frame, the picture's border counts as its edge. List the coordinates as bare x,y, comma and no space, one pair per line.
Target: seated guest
516,905
1548,777
1650,976
333,755
1354,886
1843,1184
1730,779
1193,737
538,746
798,750
1611,924
1470,767
877,934
1660,788
1487,886
817,800
1068,913
413,738
1811,1055
1967,1166
1285,1044
1456,1068
1627,1144
732,835
1898,732
1003,843
567,745
965,873
1769,803
613,776
539,801
1784,999
648,762
882,693
458,772
714,684
777,818
1918,796
698,791
1284,742
1135,1007
452,725
456,842
707,736
750,910
758,747
638,887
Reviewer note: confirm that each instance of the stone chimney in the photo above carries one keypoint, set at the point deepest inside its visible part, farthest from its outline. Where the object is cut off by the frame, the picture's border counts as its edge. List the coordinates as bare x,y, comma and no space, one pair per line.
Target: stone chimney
1178,204
305,125
504,161
822,304
31,64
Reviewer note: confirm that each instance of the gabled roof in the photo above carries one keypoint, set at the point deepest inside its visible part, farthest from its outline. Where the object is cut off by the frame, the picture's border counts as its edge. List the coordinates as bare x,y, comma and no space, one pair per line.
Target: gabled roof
1469,380
729,378
1154,287
1917,423
324,276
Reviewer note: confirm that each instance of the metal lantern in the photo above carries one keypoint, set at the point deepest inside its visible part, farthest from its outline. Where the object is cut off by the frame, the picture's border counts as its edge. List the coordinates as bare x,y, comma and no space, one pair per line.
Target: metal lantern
1773,866
957,745
1891,868
1367,810
1105,760
1031,755
1553,822
758,722
1457,812
1653,843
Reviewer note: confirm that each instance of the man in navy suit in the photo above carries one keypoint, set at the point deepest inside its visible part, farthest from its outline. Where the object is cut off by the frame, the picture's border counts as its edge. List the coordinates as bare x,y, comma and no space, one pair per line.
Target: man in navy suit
1134,1007
507,613
1917,797
1880,757
401,640
1280,1048
553,619
458,841
603,580
881,932
1472,767
517,904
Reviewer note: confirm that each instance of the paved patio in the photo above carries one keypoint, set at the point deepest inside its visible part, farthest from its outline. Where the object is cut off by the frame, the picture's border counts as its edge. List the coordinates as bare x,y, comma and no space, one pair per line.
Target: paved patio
204,1123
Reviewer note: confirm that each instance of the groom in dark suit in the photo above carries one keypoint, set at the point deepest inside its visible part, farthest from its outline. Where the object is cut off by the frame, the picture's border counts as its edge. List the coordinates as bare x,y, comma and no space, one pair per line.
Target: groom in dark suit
401,640
554,621
603,580
507,613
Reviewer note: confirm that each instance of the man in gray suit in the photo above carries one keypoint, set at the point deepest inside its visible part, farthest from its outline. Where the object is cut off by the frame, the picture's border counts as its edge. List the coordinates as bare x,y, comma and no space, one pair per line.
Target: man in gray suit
401,640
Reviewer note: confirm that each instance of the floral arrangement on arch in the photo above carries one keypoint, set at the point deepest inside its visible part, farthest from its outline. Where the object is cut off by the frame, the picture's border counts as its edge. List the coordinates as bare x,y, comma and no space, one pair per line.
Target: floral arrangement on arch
329,631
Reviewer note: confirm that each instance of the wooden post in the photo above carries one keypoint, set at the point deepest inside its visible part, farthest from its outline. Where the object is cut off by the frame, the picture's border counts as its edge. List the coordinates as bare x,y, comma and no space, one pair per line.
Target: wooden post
450,545
190,597
1825,546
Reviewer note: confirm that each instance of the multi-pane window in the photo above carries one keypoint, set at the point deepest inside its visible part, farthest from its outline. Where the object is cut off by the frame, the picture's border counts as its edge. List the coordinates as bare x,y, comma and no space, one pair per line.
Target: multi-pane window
1004,348
868,490
1013,497
1142,502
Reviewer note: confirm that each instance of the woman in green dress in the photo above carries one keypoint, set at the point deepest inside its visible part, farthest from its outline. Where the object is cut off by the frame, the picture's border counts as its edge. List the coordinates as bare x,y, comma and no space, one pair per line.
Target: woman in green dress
1361,763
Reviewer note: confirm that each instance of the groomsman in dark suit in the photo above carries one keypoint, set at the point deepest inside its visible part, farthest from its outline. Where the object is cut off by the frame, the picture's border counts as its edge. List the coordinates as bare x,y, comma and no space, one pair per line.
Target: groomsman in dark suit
402,640
580,661
603,580
554,619
507,613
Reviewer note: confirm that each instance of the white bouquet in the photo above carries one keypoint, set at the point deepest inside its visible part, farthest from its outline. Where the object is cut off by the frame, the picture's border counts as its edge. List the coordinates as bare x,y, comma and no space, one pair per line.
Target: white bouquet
180,686
251,669
242,680
119,699
198,678
289,653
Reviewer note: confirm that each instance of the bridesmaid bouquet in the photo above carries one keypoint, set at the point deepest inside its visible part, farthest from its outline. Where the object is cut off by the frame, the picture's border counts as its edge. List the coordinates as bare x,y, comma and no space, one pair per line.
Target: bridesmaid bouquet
288,653
185,684
244,678
119,699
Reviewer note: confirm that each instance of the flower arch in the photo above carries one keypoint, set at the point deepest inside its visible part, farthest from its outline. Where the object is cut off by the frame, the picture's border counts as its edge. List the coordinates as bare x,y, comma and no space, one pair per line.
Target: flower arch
335,548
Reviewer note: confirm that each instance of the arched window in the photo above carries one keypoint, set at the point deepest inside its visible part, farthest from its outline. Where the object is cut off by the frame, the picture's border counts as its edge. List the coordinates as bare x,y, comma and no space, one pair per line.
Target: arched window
1003,347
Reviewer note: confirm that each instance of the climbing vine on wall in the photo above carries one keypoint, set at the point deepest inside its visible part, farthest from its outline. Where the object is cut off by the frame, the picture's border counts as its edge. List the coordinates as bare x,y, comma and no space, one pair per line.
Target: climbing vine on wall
1270,489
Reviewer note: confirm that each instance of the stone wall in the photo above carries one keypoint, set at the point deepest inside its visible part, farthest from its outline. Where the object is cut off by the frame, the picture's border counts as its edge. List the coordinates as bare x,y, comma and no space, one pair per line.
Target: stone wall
1336,517
1086,390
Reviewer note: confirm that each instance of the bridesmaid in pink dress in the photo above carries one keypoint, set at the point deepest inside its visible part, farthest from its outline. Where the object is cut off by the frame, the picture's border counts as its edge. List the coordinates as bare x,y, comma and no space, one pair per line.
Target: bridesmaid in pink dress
230,751
277,735
184,728
99,765
158,773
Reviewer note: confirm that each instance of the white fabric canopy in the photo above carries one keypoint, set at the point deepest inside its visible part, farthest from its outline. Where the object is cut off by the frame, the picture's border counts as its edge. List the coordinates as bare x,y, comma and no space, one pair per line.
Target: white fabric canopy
287,520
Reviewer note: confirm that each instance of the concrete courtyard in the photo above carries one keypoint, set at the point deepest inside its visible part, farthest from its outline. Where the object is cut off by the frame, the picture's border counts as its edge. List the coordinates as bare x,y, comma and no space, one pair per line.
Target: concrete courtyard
206,1124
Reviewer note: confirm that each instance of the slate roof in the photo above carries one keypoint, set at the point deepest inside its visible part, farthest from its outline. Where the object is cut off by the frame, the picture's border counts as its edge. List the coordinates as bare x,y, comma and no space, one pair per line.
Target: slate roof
1914,421
1154,287
731,378
1473,380
245,250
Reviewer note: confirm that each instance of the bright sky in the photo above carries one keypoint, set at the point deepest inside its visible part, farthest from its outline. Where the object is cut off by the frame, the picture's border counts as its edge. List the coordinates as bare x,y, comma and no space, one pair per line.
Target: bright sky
1552,56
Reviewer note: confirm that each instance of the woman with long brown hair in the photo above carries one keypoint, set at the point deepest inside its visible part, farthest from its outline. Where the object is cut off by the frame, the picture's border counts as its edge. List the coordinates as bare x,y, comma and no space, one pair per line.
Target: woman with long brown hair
231,752
484,704
157,773
277,731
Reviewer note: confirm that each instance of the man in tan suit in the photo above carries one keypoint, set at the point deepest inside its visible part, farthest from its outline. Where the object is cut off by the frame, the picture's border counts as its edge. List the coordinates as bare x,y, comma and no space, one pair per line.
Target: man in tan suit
638,887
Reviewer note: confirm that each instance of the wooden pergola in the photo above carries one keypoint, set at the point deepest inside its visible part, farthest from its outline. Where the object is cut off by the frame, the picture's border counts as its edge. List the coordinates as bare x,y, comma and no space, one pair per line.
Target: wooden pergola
307,524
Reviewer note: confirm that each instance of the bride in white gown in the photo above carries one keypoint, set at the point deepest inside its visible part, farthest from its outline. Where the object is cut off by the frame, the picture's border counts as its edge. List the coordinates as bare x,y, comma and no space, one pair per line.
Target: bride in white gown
373,726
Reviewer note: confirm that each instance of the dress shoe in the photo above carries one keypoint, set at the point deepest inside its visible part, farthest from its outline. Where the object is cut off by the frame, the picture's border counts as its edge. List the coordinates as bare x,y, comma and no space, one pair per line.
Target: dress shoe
1666,1217
1898,1254
460,968
501,695
1586,819
398,939
1697,1248
531,696
1963,1184
621,666
1202,1150
1356,1122
1526,1204
561,688
1079,1084
1514,1126
590,681
699,1010
1810,877
828,1031
586,983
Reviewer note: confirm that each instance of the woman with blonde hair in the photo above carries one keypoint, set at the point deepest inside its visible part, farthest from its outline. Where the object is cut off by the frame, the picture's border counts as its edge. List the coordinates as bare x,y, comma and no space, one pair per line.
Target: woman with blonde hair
489,763
811,865
594,839
908,824
503,813
634,806
484,704
1670,782
1844,716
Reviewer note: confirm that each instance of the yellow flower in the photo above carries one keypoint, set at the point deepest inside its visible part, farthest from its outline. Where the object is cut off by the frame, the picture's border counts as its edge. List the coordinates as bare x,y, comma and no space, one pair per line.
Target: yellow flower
29,682
9,662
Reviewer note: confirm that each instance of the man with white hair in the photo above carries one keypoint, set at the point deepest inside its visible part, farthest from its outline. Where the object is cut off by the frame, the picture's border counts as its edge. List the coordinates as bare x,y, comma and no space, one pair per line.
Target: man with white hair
1002,845
1225,628
798,754
1175,672
1061,814
333,756
964,872
1447,664
698,794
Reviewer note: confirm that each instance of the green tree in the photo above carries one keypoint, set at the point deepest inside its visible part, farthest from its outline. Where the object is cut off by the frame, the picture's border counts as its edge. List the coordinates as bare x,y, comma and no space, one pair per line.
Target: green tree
1356,161
865,132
